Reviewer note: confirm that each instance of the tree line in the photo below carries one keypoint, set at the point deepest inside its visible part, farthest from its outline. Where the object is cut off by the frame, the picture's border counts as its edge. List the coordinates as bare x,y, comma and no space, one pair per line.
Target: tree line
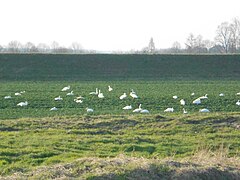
227,40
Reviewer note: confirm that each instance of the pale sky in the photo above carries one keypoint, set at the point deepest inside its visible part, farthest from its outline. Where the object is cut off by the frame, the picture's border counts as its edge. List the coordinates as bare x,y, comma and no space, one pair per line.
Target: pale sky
110,25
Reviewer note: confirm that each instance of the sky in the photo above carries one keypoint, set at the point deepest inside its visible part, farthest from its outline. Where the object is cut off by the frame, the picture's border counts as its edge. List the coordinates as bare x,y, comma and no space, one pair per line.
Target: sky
112,25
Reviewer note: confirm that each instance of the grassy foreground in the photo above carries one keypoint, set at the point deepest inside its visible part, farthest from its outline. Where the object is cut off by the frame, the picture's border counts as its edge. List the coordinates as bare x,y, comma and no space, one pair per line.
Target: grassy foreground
48,147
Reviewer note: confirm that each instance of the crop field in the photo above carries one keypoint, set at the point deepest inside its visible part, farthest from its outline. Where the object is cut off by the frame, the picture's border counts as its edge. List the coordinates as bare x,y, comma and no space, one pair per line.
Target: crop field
154,96
111,142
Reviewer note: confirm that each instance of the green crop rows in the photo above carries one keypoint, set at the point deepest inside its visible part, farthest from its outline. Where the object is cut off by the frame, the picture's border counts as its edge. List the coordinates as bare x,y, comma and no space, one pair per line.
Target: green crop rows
154,96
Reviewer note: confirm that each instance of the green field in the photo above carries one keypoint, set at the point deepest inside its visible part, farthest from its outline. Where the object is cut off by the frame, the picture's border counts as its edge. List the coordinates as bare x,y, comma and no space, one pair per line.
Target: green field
41,144
108,67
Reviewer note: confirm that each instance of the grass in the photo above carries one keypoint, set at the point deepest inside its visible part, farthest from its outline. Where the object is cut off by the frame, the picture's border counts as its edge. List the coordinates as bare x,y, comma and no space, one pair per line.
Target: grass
108,67
155,96
111,143
31,143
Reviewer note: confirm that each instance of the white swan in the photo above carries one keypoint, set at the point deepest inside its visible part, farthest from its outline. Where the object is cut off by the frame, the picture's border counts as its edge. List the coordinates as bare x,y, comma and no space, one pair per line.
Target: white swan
7,97
22,104
182,102
204,110
204,97
53,109
144,111
137,110
89,110
133,95
127,107
78,101
94,93
184,111
70,93
110,88
175,97
197,101
18,94
221,94
238,103
169,110
100,94
123,96
66,88
58,98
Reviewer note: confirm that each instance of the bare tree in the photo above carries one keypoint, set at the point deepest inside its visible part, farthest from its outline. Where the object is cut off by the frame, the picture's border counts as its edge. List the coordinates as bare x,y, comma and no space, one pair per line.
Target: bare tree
55,46
151,46
76,47
14,46
176,47
235,32
30,47
190,44
43,48
224,36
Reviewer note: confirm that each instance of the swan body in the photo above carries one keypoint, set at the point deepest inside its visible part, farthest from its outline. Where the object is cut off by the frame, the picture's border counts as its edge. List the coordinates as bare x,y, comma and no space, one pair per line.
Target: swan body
133,95
175,97
123,96
89,110
184,111
18,94
204,110
197,101
238,103
22,104
100,94
169,110
204,97
110,88
138,109
182,102
66,88
70,93
54,109
127,107
221,94
58,98
78,101
94,93
7,97
144,111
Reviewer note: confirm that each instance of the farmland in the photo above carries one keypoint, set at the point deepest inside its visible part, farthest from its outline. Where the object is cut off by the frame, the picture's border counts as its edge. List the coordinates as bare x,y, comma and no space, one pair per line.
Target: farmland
36,142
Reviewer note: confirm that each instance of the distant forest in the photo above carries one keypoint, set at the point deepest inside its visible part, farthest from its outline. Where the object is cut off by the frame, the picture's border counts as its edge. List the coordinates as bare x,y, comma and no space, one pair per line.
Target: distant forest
226,41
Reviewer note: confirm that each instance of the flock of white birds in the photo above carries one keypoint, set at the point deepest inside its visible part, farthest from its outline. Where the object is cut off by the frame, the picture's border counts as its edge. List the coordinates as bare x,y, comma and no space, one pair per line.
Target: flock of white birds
133,94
